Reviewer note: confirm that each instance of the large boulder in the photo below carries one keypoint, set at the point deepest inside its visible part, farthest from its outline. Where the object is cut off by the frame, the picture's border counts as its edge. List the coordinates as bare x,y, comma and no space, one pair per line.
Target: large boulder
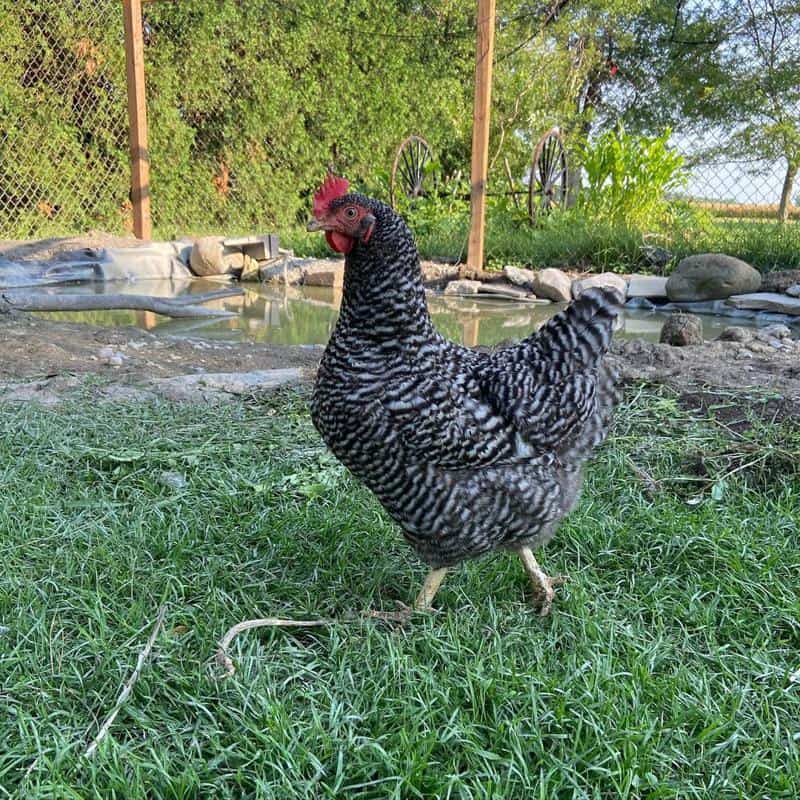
606,280
711,276
552,284
681,330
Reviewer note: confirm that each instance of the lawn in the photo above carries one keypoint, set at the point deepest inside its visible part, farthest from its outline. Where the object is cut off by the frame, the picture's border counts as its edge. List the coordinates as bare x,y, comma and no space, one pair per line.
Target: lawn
665,670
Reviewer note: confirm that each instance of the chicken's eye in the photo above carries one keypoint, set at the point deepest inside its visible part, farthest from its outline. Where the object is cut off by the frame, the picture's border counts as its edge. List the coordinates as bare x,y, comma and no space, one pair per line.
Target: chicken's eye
350,212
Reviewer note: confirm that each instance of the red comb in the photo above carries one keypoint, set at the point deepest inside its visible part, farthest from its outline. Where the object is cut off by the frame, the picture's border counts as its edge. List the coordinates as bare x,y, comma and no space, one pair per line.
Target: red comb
331,188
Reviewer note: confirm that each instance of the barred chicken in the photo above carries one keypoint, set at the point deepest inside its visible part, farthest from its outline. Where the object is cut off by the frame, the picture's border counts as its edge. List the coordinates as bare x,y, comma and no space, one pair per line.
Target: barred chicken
468,451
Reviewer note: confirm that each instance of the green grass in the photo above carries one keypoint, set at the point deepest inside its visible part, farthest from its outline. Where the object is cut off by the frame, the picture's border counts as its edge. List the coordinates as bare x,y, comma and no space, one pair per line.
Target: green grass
664,671
573,241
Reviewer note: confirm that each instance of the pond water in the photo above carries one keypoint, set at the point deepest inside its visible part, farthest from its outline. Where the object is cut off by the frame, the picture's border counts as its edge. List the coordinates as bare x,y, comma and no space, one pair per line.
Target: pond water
306,315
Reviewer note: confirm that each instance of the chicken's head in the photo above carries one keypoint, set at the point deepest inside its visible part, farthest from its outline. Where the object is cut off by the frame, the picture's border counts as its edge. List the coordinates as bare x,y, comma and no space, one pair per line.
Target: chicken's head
345,218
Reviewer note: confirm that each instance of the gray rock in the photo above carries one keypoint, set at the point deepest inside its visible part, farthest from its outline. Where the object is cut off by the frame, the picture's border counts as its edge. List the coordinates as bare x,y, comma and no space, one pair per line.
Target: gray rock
234,262
606,280
794,291
780,280
647,286
330,277
774,332
552,284
207,257
681,330
766,301
508,292
711,276
735,333
187,387
519,277
462,287
251,271
150,262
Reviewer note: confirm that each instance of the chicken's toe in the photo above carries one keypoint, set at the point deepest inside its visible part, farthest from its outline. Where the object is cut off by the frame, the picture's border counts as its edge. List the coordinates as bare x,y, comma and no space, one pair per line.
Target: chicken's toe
545,592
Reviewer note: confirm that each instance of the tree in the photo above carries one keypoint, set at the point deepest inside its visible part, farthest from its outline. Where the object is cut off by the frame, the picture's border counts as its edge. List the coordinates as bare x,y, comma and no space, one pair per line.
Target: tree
729,67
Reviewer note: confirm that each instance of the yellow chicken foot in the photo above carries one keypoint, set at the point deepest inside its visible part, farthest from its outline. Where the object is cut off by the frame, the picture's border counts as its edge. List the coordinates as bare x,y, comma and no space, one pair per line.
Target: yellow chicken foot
543,584
423,602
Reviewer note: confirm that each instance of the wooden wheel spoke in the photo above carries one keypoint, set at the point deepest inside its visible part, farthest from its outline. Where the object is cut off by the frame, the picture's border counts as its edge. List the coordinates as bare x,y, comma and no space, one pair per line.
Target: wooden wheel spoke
408,172
548,183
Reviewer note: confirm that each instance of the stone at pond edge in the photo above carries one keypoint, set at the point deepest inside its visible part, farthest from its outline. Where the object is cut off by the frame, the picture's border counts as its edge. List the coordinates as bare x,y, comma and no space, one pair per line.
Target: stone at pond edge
552,284
794,291
682,330
519,277
606,280
780,280
711,276
777,331
250,270
329,277
207,257
647,286
508,292
735,333
766,301
462,287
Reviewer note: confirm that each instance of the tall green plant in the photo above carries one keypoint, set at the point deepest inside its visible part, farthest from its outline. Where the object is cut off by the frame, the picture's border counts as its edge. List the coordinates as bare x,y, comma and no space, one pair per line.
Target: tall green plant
628,178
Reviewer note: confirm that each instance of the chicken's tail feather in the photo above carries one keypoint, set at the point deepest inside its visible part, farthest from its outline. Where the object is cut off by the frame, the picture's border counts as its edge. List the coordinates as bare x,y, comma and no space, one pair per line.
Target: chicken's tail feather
580,335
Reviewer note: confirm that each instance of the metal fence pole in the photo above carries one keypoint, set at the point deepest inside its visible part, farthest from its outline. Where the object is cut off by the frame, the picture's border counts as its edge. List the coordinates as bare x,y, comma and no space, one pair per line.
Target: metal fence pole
137,117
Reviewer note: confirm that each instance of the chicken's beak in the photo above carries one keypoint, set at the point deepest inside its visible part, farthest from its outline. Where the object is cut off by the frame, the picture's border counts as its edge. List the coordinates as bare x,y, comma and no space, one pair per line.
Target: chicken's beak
367,226
314,225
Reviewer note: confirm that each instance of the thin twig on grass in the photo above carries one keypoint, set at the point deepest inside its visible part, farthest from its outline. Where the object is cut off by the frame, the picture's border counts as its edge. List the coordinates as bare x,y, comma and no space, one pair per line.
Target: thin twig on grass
129,684
224,660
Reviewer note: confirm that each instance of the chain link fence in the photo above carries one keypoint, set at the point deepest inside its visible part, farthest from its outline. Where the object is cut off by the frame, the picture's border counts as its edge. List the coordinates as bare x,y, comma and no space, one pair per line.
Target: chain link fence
732,78
63,126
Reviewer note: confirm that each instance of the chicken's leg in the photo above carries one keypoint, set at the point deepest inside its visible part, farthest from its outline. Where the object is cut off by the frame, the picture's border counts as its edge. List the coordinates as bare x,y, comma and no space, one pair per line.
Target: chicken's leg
543,585
433,581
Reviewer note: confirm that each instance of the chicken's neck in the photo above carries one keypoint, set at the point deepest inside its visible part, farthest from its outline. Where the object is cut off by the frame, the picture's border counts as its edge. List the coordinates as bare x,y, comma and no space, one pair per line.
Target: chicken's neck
383,298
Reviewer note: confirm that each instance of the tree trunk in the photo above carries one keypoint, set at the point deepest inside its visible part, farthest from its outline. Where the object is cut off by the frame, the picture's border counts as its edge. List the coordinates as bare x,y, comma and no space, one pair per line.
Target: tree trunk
786,192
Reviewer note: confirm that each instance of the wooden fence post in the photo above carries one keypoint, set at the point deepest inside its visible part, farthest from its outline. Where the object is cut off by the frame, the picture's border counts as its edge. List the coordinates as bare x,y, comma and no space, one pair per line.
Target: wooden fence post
137,119
484,55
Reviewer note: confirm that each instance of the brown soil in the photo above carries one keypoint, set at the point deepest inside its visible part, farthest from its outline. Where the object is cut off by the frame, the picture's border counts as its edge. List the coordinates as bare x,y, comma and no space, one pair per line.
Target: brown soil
46,360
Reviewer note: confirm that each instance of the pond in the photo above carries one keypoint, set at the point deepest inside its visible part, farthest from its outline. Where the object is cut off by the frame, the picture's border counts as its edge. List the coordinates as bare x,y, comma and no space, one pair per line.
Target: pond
306,315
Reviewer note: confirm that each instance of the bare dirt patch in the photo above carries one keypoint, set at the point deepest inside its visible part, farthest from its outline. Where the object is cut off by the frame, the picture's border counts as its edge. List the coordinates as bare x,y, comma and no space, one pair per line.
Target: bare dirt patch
44,360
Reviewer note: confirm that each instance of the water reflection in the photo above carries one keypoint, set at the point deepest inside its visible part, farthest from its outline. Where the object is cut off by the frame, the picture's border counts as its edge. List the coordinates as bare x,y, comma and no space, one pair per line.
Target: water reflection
293,315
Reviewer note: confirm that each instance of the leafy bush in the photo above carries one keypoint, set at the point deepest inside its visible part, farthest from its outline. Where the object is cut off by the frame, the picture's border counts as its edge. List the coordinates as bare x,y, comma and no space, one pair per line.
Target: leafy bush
628,178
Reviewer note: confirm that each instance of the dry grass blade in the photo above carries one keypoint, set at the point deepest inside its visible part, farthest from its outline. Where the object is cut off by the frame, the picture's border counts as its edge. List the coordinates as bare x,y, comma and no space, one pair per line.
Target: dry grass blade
224,660
129,684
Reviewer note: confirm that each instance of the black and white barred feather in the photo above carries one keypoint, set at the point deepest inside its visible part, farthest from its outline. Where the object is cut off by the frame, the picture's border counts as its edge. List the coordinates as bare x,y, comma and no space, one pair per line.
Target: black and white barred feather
468,451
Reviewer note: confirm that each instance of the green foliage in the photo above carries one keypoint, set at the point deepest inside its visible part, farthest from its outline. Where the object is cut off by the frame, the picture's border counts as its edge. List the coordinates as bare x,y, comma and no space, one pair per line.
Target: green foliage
628,178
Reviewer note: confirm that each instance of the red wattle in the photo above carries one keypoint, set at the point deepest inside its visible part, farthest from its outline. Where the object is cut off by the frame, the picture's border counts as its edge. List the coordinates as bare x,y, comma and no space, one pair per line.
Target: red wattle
339,242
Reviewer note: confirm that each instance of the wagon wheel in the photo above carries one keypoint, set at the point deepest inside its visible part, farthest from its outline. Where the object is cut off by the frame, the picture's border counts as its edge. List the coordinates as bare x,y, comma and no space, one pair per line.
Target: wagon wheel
548,184
408,170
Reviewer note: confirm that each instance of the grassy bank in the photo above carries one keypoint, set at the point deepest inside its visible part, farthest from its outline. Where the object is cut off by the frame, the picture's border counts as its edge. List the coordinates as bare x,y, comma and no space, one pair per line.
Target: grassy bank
575,242
664,671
